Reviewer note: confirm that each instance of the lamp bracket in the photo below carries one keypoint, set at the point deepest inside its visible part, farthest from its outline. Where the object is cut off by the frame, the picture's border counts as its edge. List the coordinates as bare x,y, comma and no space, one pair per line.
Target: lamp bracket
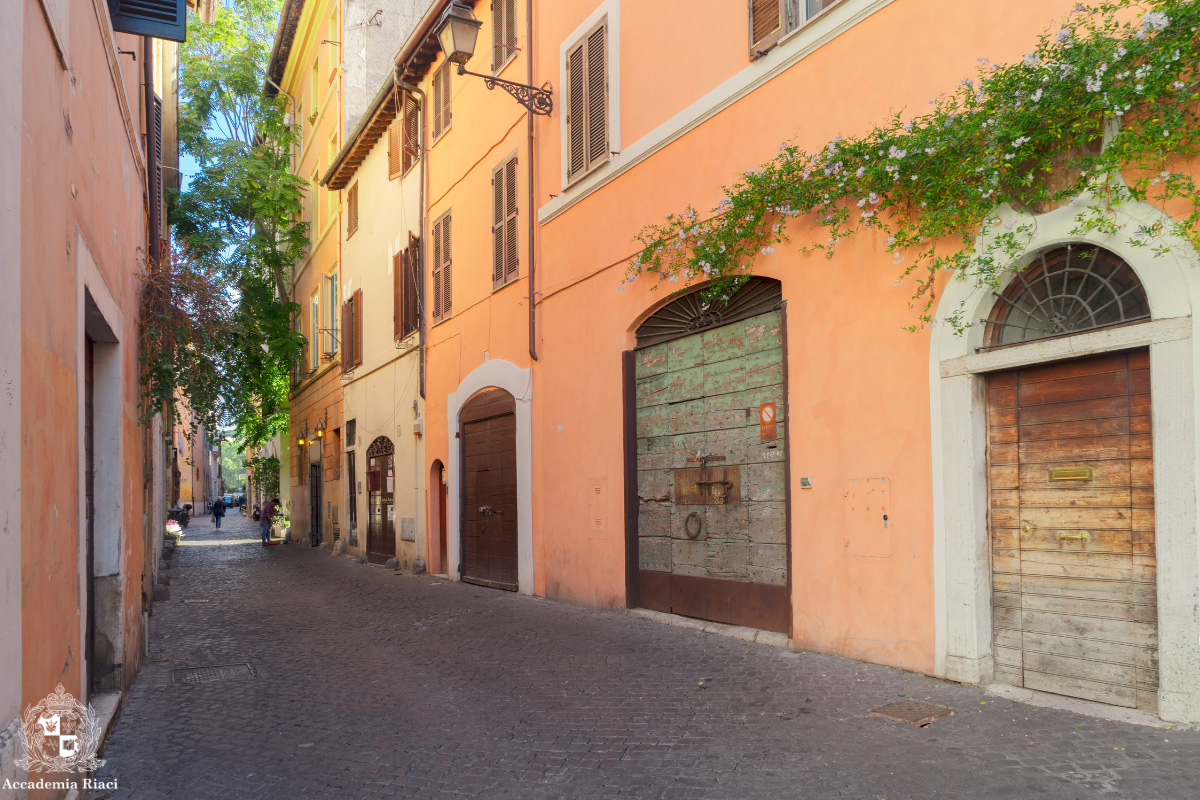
537,101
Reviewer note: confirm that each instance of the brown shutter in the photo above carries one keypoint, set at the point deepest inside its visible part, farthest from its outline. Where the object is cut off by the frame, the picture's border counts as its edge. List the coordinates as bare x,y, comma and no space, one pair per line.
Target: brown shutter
435,95
347,337
352,210
510,219
436,268
597,97
398,269
510,27
411,135
446,263
358,326
499,51
413,274
766,25
395,151
498,227
576,113
160,207
447,110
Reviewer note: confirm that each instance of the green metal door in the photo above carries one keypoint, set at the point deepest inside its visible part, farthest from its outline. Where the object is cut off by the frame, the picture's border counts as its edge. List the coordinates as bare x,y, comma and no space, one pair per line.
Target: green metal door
712,539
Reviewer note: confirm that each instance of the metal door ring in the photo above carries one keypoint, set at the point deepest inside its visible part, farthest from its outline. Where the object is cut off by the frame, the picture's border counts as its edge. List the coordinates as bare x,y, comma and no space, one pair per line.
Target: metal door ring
687,525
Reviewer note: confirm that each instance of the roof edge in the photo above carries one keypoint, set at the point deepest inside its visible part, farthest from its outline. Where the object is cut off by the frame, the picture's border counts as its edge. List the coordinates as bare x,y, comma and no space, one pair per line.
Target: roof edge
285,34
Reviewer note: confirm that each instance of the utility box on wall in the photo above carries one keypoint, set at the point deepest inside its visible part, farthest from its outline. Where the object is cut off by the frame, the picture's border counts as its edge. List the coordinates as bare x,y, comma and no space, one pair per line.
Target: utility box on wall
869,517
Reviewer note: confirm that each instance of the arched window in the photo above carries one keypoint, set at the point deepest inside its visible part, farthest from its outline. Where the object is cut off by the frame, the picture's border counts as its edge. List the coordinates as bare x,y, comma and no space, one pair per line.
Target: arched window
382,446
690,313
1071,289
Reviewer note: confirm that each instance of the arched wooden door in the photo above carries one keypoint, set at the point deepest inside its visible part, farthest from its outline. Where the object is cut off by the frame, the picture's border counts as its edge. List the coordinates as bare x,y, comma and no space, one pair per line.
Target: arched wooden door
488,550
381,512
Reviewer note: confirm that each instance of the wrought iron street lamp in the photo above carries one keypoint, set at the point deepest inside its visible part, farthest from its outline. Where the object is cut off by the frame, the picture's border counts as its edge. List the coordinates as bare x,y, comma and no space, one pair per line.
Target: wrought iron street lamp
457,32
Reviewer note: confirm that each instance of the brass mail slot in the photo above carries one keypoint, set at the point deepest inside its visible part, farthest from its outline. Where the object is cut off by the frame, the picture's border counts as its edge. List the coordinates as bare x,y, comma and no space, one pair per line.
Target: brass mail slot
1072,474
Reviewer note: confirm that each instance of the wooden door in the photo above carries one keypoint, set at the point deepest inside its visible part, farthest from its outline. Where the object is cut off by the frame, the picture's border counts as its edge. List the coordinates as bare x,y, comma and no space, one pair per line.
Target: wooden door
488,553
381,535
314,504
712,534
1072,529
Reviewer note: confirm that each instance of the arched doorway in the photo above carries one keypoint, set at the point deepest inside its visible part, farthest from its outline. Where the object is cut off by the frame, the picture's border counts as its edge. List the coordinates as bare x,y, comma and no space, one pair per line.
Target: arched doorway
437,512
707,406
1071,477
488,522
381,512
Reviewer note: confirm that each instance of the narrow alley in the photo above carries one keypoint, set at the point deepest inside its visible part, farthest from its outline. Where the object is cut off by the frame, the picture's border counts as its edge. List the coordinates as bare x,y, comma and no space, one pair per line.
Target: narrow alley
343,679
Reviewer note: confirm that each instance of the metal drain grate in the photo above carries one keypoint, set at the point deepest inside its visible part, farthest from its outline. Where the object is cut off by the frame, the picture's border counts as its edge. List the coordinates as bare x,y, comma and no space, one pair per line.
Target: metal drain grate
225,672
918,713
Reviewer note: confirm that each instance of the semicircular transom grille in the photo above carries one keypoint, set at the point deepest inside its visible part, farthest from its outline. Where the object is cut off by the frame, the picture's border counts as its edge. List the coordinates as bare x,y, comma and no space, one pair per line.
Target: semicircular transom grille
382,446
691,312
1066,290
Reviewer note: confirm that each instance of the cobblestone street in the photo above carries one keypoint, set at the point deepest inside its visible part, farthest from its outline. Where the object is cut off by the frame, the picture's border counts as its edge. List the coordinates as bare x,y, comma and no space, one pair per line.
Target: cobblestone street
369,684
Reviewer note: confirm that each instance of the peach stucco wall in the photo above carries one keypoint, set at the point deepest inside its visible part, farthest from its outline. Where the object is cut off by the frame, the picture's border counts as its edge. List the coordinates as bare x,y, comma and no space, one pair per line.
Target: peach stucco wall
83,186
858,385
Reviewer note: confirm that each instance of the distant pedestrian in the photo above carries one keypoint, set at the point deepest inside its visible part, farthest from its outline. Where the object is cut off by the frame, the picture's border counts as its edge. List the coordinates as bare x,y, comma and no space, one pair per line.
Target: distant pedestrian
268,512
218,511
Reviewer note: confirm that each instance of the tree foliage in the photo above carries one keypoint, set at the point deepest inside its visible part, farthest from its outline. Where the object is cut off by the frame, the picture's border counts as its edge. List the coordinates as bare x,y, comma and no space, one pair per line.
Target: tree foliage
220,310
1101,112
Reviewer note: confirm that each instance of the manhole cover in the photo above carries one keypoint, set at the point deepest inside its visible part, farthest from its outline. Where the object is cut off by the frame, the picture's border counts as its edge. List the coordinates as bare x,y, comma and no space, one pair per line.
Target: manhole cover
213,674
917,713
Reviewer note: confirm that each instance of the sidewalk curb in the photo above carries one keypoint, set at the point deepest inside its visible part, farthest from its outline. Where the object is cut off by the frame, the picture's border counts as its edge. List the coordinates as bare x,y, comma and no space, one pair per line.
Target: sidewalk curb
755,635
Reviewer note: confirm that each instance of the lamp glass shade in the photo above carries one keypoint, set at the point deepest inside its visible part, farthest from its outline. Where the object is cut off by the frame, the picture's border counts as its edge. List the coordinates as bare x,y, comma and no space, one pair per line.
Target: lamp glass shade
457,31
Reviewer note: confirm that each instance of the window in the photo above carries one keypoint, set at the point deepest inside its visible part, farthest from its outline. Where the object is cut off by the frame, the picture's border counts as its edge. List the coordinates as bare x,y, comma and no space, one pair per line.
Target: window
162,19
333,148
504,33
404,147
440,300
352,210
314,207
504,223
440,92
352,489
406,275
771,20
352,331
587,103
329,345
315,91
314,354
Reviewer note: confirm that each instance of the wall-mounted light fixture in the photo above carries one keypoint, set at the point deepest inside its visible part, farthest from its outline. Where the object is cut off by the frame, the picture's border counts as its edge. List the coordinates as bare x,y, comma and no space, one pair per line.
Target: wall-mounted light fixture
322,425
303,439
457,31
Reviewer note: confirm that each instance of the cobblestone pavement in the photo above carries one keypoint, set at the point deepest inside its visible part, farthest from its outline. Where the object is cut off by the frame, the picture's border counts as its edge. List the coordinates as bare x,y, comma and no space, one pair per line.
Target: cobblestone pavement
370,685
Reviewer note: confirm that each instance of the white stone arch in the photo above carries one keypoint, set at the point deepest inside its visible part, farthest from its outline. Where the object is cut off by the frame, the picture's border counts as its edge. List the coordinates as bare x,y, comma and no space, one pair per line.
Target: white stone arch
518,382
962,579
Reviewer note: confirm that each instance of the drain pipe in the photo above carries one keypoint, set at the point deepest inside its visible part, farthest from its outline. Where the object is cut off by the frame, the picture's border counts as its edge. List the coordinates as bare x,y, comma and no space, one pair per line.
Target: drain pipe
529,137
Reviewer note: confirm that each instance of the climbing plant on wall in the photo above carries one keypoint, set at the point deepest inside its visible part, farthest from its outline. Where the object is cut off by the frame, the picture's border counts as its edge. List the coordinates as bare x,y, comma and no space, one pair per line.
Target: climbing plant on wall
1100,112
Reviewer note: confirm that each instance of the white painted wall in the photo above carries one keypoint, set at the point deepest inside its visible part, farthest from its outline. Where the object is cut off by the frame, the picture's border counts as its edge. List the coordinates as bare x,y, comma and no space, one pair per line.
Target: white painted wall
962,575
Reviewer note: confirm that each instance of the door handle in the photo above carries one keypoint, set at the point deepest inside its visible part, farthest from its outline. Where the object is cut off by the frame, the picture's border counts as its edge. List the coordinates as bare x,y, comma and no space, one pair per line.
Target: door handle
1026,527
1082,535
485,509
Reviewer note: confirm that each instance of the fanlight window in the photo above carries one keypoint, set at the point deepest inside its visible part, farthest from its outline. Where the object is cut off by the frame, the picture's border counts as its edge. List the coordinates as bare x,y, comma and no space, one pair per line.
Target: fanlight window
690,312
1066,290
382,446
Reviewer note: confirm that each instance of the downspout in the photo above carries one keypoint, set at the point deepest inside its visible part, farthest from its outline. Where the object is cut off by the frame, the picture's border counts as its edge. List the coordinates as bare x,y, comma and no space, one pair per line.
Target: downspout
153,170
529,135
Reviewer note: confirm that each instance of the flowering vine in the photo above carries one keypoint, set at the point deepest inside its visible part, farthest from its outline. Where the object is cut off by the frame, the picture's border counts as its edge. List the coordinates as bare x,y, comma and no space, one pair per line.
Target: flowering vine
1105,106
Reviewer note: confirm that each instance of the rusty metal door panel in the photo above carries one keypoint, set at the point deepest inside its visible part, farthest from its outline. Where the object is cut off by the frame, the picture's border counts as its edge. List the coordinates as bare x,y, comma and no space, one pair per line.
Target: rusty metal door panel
711,489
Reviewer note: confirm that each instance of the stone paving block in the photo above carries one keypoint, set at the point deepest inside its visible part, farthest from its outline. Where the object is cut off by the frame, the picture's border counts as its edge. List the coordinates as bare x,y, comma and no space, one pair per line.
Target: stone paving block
414,686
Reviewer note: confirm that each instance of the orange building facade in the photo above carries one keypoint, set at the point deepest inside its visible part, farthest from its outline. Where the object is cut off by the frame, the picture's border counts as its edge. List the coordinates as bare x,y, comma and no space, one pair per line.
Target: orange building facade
790,460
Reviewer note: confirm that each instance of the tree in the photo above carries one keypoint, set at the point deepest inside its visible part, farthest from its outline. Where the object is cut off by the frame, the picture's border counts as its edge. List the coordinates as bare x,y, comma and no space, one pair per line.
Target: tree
220,306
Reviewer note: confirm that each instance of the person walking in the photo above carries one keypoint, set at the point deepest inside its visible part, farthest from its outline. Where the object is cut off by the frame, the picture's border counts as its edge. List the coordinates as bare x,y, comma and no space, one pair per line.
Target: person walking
268,511
218,511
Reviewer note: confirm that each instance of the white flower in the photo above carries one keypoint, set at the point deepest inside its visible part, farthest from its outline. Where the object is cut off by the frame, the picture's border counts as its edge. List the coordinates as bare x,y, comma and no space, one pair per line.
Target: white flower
766,251
1020,140
861,171
896,153
1064,35
930,151
1155,21
1178,84
1030,59
1036,95
672,279
872,198
967,82
862,202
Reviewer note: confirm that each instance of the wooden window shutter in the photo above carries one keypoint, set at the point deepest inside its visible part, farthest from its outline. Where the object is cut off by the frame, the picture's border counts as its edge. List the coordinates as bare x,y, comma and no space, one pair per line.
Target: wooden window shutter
395,149
436,268
347,336
411,135
576,113
413,274
352,210
435,96
597,97
766,25
441,100
504,32
161,19
157,206
358,326
510,219
398,270
498,227
446,264
447,110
